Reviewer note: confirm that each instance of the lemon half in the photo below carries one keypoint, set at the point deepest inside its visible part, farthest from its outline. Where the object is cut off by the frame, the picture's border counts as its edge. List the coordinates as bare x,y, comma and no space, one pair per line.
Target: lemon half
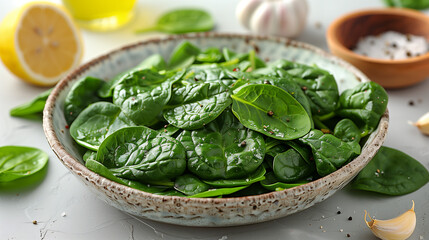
40,43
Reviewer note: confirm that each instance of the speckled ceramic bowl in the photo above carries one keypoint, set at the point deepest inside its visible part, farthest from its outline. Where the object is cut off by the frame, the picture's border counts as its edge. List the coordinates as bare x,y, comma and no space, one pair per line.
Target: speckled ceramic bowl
210,212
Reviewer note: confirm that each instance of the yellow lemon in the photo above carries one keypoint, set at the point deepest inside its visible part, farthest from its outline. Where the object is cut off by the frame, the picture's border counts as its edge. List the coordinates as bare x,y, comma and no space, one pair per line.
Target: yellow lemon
40,43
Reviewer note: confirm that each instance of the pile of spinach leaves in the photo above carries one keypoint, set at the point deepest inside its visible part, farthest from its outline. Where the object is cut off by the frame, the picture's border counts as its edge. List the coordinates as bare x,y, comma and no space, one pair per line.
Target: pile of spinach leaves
215,123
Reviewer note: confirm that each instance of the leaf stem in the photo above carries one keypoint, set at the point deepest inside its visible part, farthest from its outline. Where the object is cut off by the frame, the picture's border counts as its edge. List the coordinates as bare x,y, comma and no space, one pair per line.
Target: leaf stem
326,116
319,124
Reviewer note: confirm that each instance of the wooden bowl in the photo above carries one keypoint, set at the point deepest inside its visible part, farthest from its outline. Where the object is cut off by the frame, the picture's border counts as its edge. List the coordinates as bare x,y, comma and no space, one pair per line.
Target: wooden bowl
344,33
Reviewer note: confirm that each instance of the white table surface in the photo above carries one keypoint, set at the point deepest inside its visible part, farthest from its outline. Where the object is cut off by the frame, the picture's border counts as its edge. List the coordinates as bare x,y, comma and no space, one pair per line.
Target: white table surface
65,209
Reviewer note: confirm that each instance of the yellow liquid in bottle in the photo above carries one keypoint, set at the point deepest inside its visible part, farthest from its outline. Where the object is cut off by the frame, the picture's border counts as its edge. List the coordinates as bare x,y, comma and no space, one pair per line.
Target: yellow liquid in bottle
101,15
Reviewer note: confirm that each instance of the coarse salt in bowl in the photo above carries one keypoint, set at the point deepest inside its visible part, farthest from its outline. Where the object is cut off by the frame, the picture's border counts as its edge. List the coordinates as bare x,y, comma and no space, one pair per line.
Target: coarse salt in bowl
395,69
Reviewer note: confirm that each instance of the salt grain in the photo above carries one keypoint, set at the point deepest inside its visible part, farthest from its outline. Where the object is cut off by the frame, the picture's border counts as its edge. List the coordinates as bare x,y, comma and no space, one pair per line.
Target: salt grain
392,45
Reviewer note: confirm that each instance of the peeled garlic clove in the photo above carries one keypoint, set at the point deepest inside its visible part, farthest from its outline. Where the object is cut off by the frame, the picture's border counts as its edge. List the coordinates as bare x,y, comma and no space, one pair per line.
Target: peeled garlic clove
399,228
423,124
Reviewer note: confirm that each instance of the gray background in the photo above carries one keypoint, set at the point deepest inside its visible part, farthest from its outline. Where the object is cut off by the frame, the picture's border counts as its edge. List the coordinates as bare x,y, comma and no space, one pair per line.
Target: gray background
65,209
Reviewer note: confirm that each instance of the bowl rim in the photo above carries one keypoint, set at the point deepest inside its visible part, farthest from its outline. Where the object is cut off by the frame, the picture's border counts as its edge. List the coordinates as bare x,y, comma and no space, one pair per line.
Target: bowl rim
334,43
78,168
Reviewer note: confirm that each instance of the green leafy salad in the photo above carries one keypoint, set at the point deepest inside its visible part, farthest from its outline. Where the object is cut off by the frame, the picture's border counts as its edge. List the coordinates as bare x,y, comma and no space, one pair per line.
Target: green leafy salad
215,123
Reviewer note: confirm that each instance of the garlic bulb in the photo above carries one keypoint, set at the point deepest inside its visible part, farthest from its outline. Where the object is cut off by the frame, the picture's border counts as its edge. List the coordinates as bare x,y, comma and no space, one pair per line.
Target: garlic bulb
423,124
286,18
399,228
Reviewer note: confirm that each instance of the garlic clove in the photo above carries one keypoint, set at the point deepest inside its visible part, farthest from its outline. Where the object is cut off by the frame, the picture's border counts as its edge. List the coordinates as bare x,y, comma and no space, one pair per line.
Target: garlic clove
399,228
263,19
423,124
245,10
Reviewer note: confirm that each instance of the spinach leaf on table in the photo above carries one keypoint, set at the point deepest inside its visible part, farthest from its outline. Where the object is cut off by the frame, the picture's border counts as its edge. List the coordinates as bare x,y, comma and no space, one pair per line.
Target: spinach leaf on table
142,95
290,166
391,172
182,21
364,105
82,93
32,108
198,99
140,153
414,4
96,122
189,184
19,162
223,149
329,152
270,110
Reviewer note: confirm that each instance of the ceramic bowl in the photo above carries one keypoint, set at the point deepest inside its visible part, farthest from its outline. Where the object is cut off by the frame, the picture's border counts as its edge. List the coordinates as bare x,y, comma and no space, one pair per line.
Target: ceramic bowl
210,212
345,32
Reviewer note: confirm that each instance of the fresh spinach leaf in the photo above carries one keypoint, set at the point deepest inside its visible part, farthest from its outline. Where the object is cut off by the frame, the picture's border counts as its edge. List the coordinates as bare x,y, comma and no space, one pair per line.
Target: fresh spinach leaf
319,85
256,176
198,99
347,131
364,105
303,150
254,189
154,62
140,153
171,192
391,172
142,95
183,56
210,55
272,183
168,130
270,110
31,108
82,93
217,192
329,152
272,149
289,86
182,21
19,162
290,166
89,155
101,170
224,149
96,122
189,184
